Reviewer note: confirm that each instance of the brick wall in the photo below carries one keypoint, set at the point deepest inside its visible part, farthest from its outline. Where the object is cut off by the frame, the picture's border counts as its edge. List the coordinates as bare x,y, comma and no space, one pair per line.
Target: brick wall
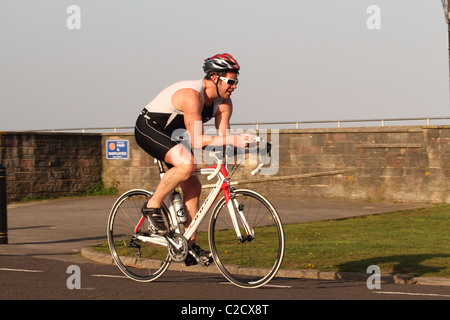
50,164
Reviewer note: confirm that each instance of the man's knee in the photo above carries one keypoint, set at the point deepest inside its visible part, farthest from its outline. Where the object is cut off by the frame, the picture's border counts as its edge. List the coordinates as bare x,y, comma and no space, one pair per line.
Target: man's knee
186,170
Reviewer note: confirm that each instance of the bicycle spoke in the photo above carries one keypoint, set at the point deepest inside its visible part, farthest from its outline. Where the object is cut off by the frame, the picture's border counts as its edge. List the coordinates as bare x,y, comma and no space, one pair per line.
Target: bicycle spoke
139,260
262,254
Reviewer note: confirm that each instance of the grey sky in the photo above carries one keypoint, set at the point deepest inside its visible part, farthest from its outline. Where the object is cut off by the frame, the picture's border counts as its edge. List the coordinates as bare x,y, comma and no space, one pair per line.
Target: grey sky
300,59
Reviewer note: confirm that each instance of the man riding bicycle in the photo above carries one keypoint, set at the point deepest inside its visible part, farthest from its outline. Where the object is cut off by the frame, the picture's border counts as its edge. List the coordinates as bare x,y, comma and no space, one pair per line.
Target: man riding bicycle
187,105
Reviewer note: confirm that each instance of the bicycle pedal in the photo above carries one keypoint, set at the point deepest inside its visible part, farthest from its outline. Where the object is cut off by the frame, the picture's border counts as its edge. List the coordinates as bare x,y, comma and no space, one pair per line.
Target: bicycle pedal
193,259
206,262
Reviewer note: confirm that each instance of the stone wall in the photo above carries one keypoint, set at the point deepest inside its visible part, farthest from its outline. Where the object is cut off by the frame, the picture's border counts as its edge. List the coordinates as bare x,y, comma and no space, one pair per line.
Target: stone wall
379,163
138,171
371,163
50,164
388,163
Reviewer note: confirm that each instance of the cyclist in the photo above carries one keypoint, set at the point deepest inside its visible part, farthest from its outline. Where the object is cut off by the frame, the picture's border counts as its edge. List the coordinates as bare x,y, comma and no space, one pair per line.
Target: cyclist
187,105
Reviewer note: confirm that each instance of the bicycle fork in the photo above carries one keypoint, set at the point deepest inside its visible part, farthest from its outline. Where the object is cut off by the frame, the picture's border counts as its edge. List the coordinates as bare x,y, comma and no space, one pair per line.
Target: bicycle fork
237,210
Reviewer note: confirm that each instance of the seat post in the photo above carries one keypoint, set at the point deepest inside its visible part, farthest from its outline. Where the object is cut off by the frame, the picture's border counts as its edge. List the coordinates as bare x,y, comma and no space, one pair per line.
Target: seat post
160,166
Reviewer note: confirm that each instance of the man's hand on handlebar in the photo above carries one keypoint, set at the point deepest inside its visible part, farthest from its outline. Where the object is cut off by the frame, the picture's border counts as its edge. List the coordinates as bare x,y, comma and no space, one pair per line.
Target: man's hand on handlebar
244,140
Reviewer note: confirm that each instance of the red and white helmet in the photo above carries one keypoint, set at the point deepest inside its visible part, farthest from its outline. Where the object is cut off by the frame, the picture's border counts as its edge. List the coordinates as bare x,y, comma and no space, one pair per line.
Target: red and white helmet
221,63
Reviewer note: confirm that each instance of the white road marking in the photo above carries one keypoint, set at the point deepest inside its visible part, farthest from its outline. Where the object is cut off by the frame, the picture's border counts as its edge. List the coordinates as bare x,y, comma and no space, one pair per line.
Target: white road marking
266,285
108,276
20,270
413,294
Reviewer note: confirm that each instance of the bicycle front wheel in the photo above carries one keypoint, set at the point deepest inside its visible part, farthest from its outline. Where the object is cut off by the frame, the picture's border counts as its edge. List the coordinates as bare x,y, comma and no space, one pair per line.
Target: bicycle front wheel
139,260
252,260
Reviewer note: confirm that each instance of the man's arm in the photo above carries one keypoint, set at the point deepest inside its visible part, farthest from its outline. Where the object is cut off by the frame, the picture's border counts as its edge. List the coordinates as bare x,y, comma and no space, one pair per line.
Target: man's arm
191,103
223,116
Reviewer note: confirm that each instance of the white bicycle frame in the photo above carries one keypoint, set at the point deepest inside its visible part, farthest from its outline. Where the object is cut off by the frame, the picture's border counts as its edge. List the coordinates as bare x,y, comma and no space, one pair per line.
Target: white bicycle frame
222,184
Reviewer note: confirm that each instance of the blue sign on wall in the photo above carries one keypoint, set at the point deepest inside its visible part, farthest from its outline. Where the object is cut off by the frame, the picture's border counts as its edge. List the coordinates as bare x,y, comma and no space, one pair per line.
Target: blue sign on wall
117,149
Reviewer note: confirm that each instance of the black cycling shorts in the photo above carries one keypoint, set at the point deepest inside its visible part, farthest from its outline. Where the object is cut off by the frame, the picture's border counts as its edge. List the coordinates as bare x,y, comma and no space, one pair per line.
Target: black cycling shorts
153,138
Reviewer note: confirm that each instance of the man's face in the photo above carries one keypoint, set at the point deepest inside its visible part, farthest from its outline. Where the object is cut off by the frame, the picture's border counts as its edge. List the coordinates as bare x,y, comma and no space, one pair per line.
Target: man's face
226,84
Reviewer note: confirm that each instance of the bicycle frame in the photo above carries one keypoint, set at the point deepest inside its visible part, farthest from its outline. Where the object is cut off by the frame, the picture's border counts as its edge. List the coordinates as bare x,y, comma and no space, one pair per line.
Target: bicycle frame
222,185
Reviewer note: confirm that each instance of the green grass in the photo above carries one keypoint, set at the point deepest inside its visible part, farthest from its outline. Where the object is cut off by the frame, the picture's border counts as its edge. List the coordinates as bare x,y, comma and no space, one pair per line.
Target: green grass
98,189
414,242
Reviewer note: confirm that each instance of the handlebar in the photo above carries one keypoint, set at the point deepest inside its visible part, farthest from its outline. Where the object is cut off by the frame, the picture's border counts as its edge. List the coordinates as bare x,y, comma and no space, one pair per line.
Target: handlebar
216,171
263,157
219,155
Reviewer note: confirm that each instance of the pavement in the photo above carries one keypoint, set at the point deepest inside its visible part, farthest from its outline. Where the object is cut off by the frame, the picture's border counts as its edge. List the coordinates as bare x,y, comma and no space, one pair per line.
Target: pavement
65,228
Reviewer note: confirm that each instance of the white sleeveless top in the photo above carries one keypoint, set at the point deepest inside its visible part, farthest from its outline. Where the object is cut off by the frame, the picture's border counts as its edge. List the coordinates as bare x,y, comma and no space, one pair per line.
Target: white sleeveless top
161,106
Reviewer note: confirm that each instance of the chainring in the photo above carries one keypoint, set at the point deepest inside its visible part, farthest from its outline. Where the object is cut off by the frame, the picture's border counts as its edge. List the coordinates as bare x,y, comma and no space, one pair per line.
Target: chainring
178,255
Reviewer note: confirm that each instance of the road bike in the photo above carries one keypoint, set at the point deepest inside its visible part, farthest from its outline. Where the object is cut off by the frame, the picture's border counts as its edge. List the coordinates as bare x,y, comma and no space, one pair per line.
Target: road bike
245,233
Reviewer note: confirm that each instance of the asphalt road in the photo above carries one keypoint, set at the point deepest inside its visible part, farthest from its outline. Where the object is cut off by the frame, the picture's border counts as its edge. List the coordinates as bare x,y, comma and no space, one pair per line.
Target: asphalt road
45,239
32,278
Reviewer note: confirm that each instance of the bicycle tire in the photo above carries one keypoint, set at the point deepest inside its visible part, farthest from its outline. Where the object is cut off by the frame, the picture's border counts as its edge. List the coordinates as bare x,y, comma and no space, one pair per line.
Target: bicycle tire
140,261
248,264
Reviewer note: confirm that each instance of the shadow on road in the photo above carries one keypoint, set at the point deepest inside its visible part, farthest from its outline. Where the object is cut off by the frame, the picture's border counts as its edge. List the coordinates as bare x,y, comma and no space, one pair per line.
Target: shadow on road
414,264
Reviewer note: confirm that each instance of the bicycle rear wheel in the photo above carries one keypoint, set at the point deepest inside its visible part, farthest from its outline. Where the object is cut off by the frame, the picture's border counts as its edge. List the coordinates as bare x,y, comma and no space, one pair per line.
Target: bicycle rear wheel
138,260
249,262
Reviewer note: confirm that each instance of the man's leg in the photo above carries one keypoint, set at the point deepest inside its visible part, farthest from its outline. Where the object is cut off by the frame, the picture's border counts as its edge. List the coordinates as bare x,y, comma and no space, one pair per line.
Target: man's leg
183,168
191,196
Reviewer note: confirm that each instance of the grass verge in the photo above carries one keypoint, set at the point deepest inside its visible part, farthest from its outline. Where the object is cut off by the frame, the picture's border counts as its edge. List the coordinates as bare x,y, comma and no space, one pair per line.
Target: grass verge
414,242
